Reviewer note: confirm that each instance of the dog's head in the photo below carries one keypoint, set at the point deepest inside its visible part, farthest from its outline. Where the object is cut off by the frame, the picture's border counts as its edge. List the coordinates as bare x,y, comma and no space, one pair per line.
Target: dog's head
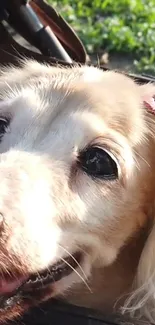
76,182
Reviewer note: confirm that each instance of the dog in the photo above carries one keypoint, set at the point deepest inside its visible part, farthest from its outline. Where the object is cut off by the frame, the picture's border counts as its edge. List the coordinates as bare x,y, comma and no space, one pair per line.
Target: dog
77,194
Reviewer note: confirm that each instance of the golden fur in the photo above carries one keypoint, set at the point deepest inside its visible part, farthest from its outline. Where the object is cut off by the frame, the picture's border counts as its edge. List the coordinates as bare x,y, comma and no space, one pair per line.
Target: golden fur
50,206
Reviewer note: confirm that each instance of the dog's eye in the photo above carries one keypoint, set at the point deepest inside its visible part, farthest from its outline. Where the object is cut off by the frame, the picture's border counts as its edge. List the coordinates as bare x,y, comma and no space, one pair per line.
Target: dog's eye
4,124
98,163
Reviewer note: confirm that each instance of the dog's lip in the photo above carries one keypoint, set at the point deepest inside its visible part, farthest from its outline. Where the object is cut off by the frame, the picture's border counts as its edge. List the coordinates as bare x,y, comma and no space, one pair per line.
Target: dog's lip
54,273
62,268
11,284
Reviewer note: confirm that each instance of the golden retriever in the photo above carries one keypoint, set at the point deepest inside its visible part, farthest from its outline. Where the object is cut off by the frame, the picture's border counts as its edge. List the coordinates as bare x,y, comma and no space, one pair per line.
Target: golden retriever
77,190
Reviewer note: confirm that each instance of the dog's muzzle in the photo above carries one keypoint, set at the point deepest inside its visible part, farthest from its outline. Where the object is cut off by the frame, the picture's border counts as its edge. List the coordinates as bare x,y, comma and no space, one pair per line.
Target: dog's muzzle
10,287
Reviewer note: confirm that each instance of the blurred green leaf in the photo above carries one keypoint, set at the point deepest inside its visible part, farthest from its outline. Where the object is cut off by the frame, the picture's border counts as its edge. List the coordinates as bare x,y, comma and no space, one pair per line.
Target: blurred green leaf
122,26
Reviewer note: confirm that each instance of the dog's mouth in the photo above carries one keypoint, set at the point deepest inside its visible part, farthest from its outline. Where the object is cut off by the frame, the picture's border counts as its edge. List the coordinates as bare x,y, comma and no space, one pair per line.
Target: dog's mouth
27,285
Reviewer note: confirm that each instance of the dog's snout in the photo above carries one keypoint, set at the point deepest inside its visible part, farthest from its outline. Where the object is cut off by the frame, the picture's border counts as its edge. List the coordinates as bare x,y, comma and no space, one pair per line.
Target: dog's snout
25,190
27,211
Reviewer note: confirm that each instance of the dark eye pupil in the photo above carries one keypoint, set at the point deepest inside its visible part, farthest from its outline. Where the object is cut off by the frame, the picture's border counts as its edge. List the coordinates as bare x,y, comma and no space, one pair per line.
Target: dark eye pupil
98,163
3,126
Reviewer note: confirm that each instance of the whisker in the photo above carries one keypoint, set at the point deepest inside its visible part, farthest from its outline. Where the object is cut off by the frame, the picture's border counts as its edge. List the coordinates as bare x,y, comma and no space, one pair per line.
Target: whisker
74,259
39,276
82,250
136,153
48,268
83,280
136,162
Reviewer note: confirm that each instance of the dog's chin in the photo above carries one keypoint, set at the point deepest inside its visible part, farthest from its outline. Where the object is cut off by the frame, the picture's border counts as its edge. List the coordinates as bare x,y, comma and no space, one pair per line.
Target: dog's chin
20,295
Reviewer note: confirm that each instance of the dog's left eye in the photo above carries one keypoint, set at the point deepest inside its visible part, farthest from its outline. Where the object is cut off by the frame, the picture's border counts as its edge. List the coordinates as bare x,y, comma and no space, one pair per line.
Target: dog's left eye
4,124
98,163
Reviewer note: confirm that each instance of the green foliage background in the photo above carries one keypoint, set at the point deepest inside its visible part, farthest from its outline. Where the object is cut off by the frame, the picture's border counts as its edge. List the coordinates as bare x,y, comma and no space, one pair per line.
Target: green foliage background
120,26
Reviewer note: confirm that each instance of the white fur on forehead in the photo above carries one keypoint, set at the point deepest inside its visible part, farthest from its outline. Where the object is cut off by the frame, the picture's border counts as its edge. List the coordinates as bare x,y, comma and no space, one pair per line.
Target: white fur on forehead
32,72
88,73
123,88
126,94
33,69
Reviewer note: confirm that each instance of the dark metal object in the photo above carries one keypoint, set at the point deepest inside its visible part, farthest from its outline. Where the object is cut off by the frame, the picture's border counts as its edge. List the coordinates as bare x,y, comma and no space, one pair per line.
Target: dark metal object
16,12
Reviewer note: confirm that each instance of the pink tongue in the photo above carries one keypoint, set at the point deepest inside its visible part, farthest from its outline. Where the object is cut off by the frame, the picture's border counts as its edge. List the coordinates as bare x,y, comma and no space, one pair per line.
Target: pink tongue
8,286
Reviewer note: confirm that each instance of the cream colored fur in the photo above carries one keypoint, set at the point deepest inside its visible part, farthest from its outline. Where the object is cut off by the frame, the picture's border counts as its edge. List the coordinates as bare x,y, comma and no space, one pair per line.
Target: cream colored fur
52,208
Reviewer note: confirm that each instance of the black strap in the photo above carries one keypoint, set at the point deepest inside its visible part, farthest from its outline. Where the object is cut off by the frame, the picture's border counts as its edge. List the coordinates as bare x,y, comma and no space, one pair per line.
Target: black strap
55,312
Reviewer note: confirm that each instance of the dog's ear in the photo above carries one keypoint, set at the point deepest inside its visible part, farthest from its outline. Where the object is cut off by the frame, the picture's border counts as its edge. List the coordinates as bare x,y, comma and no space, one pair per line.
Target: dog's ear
148,97
147,94
141,302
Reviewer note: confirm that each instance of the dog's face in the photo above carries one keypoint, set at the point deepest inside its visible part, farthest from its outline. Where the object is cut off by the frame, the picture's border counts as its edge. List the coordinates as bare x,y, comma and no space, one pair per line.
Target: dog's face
75,171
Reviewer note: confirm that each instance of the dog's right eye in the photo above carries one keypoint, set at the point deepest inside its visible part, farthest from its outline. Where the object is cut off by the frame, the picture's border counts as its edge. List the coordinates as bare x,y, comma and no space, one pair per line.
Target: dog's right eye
98,163
4,124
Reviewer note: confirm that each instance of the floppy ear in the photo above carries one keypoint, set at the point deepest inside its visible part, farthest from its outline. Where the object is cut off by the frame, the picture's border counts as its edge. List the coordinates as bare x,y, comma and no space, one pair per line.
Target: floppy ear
148,97
147,94
146,268
142,300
